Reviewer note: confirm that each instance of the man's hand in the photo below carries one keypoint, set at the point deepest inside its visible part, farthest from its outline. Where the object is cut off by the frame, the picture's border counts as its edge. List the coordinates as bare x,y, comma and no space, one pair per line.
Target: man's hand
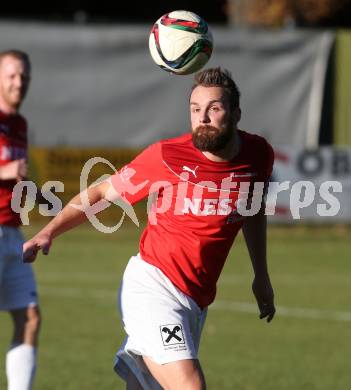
14,170
263,291
31,248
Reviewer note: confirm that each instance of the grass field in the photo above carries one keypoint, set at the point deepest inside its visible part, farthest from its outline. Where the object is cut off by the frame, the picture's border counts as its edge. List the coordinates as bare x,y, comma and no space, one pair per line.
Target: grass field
307,346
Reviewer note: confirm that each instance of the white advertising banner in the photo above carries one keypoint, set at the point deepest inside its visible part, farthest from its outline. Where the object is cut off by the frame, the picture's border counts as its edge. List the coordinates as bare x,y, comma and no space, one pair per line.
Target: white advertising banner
312,185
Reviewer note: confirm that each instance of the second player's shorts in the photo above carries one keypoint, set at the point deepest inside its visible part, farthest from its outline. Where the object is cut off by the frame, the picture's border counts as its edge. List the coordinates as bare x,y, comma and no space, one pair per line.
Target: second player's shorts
161,322
17,282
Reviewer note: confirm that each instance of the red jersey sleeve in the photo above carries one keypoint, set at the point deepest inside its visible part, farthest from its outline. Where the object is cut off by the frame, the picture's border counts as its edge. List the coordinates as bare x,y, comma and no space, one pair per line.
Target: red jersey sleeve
136,180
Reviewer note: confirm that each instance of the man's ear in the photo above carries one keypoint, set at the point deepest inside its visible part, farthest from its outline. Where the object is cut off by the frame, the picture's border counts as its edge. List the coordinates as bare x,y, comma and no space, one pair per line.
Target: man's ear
237,114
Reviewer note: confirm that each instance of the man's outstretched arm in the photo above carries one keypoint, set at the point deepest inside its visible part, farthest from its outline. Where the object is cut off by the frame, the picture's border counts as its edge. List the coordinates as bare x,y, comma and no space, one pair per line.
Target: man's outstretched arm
255,233
71,216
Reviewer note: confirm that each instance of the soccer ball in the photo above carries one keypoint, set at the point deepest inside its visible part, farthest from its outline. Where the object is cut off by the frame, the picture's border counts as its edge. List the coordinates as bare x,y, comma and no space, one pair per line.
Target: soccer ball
180,42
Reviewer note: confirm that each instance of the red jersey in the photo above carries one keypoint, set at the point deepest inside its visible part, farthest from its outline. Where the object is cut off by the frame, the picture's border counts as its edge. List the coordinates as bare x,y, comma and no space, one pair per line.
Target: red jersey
194,218
13,146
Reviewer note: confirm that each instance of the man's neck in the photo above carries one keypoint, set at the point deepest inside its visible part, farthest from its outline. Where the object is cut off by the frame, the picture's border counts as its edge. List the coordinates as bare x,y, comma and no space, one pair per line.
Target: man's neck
7,109
227,153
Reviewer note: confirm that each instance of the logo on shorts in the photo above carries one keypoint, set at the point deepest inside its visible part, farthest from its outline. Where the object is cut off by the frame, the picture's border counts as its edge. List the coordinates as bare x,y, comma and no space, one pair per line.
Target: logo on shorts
172,334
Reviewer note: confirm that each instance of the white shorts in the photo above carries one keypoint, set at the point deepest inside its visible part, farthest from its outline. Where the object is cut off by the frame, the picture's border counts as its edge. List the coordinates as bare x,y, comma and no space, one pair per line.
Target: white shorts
17,282
161,322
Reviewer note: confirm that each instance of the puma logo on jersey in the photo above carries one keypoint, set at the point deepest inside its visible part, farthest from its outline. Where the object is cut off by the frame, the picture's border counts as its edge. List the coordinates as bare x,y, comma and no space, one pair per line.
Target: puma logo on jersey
193,171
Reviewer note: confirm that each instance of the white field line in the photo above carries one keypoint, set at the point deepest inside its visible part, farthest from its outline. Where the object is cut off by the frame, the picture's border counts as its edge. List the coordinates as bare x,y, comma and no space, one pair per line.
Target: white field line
219,305
225,280
81,276
78,292
283,279
283,311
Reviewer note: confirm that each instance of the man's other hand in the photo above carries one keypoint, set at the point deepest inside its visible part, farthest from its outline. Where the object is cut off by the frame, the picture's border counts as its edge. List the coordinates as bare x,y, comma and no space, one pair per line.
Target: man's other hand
32,247
263,291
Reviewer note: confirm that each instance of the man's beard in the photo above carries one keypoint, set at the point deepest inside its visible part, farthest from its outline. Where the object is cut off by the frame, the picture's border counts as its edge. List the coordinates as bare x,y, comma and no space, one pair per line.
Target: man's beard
211,139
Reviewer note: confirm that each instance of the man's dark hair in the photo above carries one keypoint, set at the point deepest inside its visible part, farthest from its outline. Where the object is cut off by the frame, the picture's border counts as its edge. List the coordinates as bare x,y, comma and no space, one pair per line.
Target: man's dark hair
19,54
216,77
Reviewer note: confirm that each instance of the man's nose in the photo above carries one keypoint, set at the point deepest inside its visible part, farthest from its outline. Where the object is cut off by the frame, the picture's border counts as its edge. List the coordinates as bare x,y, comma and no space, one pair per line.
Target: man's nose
18,82
204,118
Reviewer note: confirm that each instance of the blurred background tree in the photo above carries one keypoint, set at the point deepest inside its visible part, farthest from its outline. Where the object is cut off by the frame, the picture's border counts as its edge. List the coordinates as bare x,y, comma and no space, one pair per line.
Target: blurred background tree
279,13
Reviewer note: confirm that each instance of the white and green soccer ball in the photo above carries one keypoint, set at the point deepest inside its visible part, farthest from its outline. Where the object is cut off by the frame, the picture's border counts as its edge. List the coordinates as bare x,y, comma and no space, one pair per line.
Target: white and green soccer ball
180,42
